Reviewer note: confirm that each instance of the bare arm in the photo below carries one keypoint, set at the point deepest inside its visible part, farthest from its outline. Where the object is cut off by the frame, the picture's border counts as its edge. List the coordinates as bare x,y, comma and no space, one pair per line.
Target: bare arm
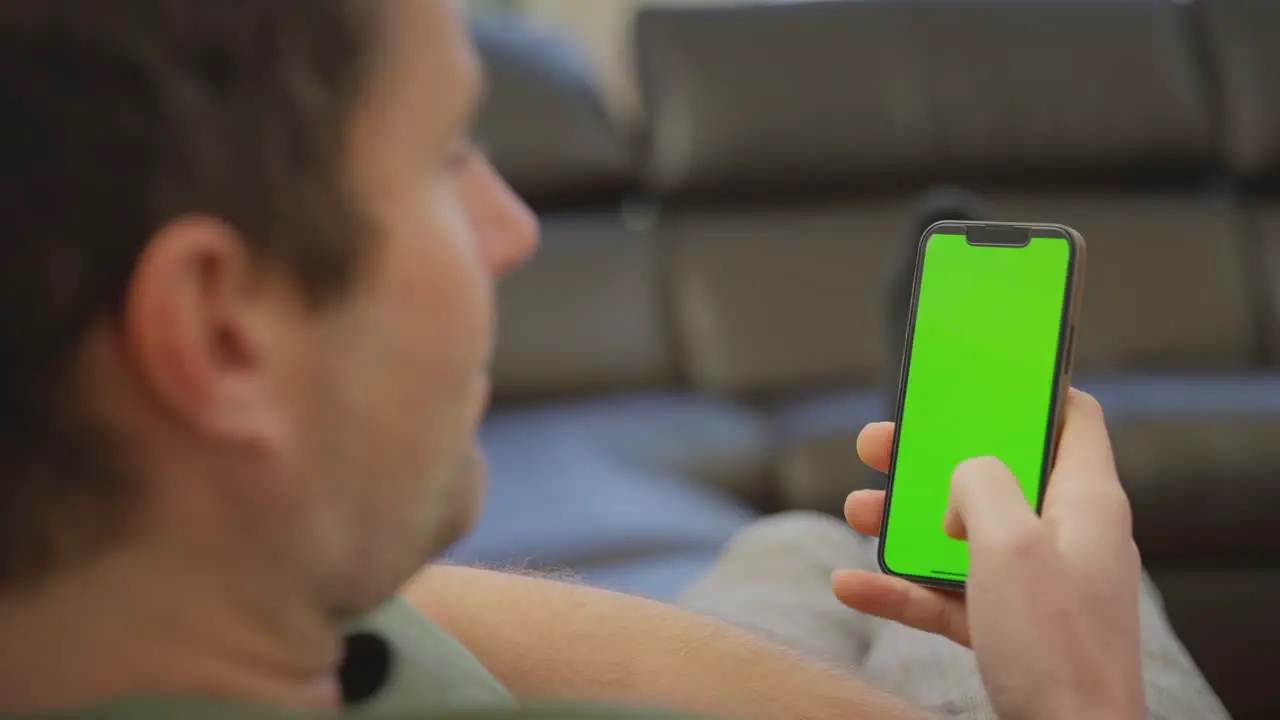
543,638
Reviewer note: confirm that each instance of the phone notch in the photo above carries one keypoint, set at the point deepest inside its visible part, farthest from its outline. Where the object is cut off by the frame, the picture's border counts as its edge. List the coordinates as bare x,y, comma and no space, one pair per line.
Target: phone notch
1012,236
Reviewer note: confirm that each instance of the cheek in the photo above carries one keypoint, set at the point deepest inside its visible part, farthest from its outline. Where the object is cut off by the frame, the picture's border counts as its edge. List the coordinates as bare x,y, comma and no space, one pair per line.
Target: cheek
440,294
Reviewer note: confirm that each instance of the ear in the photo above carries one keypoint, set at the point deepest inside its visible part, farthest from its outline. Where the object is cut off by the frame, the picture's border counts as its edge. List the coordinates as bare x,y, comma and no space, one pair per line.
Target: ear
206,332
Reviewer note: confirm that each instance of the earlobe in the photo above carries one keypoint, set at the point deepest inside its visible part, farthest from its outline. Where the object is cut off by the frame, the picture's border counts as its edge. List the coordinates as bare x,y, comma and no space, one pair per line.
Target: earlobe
191,333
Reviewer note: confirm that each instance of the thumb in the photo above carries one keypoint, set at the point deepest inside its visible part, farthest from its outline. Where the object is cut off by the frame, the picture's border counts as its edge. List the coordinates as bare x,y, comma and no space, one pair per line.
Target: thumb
986,500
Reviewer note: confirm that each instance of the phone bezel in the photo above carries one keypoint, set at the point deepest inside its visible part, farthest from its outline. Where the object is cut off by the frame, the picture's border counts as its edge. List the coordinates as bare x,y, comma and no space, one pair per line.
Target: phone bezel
1067,325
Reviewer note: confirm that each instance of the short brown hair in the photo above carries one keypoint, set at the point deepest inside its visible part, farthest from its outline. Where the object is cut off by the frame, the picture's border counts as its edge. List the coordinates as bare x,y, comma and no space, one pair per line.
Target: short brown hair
115,118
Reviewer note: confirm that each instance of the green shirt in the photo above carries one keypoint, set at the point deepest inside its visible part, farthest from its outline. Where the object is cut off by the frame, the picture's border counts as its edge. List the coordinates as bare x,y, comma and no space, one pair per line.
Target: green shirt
430,677
428,667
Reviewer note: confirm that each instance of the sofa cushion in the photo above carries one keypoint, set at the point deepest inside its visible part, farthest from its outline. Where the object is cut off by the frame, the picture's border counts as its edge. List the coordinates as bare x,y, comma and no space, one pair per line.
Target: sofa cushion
1225,615
586,315
543,124
1266,220
1200,458
776,97
768,299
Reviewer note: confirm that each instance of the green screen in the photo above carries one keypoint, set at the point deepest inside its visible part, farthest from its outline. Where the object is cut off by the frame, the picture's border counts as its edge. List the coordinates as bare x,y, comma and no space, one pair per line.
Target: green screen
980,380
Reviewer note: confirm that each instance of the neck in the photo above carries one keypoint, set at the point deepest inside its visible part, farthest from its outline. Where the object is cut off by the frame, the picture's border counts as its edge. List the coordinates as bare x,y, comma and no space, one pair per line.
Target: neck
162,620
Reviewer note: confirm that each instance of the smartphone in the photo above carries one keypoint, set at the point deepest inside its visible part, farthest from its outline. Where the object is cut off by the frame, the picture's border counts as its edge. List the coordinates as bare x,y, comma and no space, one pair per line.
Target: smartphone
985,371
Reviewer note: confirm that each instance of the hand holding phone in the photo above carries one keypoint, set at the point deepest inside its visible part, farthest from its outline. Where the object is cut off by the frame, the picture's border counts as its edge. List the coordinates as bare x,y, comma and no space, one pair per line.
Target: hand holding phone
1051,604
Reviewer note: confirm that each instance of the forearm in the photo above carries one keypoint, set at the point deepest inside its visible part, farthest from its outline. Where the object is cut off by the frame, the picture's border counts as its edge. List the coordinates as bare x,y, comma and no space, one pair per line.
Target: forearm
548,639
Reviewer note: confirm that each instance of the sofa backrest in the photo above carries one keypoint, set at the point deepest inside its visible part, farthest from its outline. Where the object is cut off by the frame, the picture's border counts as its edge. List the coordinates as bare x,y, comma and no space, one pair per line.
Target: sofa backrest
1240,37
745,245
587,315
544,125
825,95
1243,48
785,140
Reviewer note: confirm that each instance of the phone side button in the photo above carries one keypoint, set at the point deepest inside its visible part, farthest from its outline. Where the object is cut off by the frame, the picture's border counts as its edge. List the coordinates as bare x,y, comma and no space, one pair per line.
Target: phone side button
1071,350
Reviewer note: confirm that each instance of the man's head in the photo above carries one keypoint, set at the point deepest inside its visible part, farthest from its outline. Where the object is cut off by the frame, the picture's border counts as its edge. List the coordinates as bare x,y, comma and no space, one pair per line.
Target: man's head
246,266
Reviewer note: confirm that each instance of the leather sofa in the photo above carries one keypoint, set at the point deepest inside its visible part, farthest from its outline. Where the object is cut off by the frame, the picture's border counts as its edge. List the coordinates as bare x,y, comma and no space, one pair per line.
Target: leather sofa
715,307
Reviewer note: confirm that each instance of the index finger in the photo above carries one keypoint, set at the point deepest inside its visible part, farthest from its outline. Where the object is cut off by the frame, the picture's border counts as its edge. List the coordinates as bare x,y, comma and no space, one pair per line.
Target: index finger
875,445
1084,448
1084,482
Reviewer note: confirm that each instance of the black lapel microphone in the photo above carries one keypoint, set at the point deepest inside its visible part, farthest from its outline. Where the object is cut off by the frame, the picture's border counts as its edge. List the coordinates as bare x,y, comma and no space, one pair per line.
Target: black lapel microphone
365,668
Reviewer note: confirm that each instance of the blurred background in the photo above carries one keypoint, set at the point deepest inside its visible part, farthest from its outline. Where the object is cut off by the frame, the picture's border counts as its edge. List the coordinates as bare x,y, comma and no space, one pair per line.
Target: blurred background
730,195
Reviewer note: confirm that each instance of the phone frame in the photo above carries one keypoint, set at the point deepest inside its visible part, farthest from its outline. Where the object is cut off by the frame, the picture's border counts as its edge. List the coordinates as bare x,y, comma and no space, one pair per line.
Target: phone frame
1067,324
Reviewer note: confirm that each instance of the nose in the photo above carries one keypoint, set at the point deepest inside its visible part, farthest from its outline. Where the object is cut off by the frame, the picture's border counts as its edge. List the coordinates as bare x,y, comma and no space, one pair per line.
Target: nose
506,229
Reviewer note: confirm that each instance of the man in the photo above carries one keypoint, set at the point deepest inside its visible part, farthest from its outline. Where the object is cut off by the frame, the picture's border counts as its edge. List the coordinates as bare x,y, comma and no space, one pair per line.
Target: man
246,312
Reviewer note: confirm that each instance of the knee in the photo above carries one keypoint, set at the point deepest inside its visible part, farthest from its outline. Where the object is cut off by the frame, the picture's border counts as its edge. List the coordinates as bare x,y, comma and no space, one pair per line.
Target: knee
801,532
